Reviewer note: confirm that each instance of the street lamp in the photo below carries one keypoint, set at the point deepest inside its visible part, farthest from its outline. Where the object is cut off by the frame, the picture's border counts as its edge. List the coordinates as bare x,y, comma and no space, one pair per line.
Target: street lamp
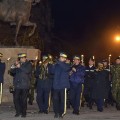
117,38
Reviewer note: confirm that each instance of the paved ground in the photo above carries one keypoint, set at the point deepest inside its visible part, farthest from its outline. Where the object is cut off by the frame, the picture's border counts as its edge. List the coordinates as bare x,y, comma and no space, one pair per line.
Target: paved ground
7,113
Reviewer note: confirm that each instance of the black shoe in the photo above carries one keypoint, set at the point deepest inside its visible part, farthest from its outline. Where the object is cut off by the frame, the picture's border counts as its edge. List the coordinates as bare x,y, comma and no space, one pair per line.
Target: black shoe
56,116
82,104
73,112
76,112
117,107
90,106
23,116
30,102
61,116
105,104
100,109
46,111
41,111
17,115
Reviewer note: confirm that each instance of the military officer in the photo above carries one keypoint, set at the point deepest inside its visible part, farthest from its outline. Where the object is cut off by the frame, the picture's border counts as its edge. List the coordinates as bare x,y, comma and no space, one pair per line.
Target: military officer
22,75
115,71
77,75
43,82
60,83
88,83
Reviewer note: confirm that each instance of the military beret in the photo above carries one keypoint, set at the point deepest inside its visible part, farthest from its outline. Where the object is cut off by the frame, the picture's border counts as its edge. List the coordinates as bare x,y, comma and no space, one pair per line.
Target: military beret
62,54
20,55
1,55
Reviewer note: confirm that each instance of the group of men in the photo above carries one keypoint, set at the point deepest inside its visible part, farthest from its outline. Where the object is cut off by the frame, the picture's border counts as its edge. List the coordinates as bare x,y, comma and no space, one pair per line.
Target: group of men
93,84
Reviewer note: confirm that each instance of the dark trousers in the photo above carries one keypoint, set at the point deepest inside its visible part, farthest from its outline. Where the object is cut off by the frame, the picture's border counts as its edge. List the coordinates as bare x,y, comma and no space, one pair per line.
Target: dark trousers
43,99
75,94
59,101
20,101
100,103
88,96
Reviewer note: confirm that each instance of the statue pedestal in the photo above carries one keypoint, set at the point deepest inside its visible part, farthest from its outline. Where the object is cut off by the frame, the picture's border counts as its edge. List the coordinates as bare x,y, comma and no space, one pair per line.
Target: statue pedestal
9,57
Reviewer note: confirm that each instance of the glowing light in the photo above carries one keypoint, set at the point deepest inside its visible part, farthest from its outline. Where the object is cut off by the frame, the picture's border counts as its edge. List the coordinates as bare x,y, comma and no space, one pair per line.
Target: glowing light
36,57
117,38
40,62
8,59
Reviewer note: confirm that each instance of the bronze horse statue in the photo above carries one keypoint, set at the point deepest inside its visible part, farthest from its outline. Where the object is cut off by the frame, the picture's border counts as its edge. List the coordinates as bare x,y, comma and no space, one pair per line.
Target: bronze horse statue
17,12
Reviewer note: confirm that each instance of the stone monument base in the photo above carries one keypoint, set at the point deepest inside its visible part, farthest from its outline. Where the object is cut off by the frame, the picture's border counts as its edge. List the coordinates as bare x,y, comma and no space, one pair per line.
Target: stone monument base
9,57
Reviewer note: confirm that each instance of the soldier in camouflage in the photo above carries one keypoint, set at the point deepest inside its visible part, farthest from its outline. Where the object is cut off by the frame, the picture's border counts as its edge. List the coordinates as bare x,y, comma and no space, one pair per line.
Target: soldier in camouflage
115,71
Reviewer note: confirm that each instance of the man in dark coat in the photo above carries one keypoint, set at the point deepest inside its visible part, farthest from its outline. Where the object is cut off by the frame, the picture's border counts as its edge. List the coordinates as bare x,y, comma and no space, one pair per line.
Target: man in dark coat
22,75
108,83
43,84
60,83
77,75
99,86
88,83
2,71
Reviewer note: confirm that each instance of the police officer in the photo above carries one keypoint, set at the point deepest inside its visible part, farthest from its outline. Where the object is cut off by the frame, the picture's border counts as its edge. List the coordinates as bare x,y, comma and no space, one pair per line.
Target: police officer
2,71
44,82
60,83
88,83
22,74
77,75
115,71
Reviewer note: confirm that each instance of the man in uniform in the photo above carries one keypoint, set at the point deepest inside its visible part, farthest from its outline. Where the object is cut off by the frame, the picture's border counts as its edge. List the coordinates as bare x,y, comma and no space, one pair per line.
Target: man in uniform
2,71
22,75
88,83
108,82
77,75
115,71
60,83
43,82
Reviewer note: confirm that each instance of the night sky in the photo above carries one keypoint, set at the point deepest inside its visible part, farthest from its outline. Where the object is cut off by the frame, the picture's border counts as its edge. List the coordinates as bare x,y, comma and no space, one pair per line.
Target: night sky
87,26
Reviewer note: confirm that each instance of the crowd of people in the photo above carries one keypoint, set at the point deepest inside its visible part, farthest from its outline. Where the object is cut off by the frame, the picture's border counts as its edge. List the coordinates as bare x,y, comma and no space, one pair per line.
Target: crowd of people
64,83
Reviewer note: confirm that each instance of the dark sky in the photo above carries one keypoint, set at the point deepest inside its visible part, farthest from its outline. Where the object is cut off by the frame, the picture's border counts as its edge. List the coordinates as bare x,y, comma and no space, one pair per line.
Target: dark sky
87,26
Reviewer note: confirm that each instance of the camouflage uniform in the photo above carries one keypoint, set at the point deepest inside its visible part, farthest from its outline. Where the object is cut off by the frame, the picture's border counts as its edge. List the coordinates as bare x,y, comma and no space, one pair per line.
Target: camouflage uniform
115,70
